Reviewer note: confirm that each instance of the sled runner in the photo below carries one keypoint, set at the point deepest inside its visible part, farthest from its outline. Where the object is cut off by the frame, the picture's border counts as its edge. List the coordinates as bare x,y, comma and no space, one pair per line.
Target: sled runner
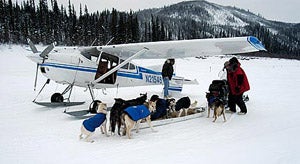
161,122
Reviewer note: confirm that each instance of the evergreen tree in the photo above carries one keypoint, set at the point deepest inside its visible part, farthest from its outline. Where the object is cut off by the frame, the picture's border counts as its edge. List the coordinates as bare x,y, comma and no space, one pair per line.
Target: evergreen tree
113,25
135,29
121,36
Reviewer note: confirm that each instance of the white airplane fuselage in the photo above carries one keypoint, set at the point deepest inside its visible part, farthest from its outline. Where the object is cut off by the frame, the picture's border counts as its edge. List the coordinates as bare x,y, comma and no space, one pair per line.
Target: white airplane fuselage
110,65
69,66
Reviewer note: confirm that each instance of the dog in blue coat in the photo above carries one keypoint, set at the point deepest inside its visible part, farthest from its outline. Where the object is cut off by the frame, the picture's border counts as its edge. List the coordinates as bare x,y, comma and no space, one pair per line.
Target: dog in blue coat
134,114
89,125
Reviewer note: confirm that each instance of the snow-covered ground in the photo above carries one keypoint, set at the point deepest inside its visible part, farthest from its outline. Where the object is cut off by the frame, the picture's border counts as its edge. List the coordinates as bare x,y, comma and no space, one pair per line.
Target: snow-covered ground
267,134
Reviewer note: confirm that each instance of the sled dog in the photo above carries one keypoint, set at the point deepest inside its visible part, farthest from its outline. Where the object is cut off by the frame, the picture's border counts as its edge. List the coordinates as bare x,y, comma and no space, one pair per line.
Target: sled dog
216,105
184,107
170,107
99,120
118,108
188,111
130,122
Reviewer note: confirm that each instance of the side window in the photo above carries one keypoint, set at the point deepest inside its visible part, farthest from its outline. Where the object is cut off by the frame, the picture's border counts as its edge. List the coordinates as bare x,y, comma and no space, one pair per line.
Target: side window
131,66
128,66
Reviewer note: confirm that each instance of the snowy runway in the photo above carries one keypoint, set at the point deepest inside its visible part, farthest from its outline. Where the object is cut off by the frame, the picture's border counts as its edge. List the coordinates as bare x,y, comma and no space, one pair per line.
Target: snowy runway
267,134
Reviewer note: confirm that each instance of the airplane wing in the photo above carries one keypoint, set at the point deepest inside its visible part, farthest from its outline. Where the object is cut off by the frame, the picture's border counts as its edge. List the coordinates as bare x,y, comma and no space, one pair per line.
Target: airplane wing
186,48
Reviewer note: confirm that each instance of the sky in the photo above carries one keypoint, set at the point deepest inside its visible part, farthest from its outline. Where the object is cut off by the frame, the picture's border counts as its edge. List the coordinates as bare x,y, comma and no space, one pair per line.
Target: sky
281,10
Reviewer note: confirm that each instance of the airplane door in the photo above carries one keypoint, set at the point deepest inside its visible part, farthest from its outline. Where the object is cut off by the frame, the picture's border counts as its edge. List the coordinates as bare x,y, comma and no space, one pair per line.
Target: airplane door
106,63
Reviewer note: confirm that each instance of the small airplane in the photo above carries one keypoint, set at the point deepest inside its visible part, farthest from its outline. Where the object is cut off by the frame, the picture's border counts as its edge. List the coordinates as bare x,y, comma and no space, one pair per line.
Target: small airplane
110,66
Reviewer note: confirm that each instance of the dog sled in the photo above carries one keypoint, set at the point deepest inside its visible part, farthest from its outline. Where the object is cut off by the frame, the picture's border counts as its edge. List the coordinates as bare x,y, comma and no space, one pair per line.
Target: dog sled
198,112
160,122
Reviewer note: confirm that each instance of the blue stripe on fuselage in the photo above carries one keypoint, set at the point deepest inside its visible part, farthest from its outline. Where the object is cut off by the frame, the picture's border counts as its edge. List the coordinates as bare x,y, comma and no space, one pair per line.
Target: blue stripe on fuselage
134,75
70,67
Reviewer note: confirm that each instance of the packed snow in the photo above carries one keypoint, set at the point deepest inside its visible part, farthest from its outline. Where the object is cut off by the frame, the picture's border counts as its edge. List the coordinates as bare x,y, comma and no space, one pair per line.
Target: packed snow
268,133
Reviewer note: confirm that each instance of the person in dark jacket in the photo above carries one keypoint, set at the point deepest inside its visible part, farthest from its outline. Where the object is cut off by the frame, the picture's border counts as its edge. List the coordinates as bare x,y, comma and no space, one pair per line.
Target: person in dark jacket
238,84
167,73
161,107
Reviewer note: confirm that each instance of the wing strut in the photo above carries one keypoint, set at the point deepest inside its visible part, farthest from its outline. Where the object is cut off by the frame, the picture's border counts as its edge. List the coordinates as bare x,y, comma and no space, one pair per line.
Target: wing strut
120,65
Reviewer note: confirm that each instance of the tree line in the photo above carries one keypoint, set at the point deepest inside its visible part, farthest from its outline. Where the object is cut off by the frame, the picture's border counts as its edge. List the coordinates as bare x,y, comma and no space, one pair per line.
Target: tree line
46,24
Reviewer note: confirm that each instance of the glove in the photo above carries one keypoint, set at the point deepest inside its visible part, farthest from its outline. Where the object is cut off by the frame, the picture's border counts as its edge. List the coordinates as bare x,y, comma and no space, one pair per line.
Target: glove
237,89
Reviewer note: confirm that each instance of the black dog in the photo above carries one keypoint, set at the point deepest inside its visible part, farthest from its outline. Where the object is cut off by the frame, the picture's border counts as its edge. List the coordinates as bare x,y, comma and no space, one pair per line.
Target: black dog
170,106
118,109
183,102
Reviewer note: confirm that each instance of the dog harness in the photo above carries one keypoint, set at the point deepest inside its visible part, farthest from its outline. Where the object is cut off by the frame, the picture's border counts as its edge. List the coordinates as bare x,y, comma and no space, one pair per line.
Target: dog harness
137,112
211,100
94,122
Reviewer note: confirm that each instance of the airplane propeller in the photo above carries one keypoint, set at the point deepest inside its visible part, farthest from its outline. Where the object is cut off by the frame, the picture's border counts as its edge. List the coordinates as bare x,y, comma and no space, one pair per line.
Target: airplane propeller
44,55
47,50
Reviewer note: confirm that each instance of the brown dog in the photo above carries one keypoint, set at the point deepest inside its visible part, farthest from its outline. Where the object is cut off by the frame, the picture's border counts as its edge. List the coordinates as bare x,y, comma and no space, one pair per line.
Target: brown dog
130,123
216,105
99,120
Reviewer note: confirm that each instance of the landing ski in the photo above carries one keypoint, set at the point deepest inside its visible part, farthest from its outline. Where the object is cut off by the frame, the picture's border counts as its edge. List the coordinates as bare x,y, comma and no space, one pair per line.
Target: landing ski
77,113
82,113
59,104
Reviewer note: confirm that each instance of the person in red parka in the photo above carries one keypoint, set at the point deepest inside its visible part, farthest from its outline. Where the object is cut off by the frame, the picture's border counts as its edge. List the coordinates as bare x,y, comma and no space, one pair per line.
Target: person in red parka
238,84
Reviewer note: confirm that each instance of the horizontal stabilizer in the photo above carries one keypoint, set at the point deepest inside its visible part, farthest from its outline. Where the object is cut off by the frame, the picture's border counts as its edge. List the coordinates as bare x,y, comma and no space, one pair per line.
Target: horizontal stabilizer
187,81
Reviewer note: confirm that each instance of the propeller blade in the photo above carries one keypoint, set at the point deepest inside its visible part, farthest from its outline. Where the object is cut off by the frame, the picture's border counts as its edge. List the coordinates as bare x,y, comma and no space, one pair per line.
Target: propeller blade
46,51
32,46
36,75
